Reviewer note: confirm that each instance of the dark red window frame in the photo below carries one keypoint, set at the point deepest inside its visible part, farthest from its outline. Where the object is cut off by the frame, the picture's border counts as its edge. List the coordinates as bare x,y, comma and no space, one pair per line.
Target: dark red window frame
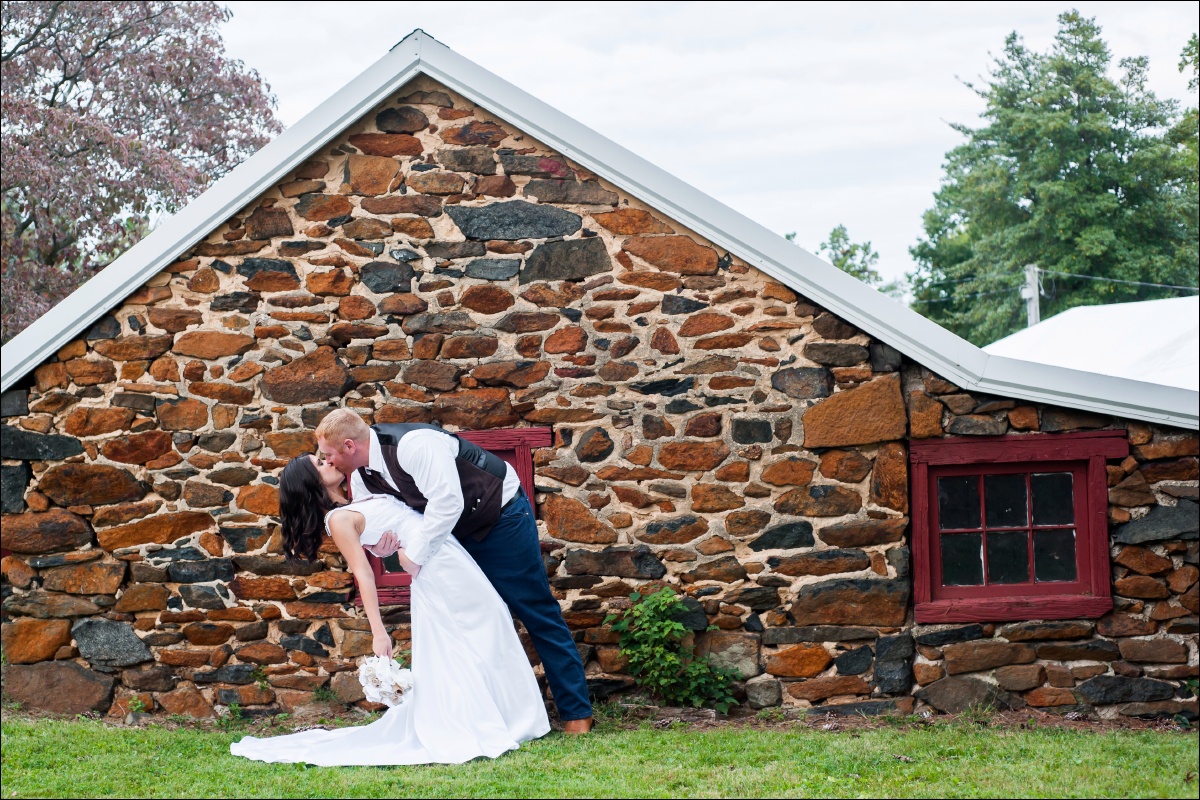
514,445
1083,454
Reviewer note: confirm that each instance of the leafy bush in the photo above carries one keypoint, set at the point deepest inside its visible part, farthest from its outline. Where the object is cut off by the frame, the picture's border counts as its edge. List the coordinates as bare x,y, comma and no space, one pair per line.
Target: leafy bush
653,640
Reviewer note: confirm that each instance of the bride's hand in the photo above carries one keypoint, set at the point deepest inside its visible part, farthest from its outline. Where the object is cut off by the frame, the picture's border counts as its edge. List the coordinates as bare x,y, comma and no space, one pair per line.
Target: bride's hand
381,645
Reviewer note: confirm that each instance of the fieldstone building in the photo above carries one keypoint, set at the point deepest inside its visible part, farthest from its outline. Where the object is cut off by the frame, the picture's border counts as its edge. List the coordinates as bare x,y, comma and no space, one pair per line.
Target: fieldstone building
872,513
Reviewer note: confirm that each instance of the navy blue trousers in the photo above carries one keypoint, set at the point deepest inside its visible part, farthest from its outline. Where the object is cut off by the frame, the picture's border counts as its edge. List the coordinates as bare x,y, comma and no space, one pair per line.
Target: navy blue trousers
511,558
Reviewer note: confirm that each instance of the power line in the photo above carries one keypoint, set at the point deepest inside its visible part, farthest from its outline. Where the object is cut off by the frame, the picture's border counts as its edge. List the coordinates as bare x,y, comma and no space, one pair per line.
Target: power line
967,296
1118,280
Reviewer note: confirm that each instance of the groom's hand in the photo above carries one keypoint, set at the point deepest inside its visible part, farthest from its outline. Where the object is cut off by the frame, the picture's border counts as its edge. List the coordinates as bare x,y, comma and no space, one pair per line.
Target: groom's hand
387,544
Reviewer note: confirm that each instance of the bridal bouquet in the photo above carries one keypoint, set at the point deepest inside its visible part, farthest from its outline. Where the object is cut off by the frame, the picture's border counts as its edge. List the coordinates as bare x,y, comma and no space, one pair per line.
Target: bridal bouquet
384,680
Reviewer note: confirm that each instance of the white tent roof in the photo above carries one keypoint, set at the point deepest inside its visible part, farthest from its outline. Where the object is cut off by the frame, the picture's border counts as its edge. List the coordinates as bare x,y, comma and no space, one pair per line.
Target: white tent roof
920,339
1156,341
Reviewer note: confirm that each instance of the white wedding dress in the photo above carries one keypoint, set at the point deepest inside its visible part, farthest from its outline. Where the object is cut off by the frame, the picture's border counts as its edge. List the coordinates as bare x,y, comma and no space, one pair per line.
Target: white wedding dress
474,693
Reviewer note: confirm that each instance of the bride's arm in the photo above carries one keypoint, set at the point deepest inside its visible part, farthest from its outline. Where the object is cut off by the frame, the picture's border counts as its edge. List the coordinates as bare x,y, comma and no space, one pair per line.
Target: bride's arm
341,528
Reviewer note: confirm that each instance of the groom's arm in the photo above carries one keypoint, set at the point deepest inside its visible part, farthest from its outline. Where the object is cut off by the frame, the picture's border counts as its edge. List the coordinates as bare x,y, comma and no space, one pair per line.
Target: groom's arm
428,457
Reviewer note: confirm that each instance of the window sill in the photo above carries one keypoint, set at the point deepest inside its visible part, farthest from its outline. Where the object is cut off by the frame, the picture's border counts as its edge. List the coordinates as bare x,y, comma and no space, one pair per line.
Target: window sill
1013,609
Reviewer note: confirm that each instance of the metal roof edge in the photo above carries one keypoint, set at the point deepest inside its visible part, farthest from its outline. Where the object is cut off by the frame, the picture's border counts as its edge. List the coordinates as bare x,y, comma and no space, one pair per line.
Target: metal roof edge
919,338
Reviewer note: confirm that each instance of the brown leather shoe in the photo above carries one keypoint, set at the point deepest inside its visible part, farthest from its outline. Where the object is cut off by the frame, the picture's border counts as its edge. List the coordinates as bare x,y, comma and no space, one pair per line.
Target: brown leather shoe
578,726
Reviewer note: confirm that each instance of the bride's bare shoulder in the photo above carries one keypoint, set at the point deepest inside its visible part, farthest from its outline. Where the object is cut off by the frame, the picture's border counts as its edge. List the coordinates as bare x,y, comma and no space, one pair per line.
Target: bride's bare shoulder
344,516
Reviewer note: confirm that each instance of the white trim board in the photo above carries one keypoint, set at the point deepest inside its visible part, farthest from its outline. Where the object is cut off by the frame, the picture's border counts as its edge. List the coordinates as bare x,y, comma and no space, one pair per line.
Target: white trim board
915,336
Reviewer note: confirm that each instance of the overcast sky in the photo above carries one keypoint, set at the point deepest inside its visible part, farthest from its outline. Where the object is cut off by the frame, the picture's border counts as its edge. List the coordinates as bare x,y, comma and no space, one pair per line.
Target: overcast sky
801,116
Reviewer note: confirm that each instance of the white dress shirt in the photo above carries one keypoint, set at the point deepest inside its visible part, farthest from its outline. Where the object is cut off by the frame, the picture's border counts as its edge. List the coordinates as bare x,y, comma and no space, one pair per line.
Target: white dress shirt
428,456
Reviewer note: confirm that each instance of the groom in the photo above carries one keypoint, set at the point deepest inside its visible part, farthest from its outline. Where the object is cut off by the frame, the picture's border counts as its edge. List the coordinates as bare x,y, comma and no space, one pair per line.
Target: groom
462,489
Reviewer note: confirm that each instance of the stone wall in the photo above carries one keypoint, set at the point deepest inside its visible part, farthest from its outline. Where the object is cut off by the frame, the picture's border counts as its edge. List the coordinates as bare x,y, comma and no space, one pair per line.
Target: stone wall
713,431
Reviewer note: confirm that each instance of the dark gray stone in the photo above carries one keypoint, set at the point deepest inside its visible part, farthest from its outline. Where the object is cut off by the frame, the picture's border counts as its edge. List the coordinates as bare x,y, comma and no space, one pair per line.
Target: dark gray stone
682,406
154,679
106,644
621,562
585,193
216,442
451,250
237,537
178,554
803,383
865,708
405,119
667,387
514,220
900,559
677,304
246,302
966,633
978,426
324,636
1108,689
214,569
478,160
566,261
493,269
894,648
252,266
383,277
751,431
818,633
848,560
1091,650
140,572
165,639
237,674
138,402
854,662
200,596
327,597
763,692
884,357
23,445
252,631
304,644
442,322
835,354
756,598
292,625
401,254
13,481
106,327
600,689
14,403
1181,521
276,565
957,694
785,537
893,677
534,166
60,559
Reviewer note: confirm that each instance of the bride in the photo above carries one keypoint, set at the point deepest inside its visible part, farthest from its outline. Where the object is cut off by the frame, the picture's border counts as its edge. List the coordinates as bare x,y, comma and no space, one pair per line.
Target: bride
474,693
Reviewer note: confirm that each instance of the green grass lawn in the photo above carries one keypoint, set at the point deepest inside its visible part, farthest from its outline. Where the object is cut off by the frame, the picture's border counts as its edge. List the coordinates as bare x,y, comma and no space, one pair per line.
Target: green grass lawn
54,758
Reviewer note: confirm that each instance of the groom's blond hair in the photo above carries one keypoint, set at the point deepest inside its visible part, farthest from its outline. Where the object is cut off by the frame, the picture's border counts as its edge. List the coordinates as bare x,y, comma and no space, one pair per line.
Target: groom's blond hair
342,424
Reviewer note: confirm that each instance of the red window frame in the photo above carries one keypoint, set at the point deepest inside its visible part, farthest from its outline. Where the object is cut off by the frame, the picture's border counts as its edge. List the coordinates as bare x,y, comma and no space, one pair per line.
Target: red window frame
1085,456
515,446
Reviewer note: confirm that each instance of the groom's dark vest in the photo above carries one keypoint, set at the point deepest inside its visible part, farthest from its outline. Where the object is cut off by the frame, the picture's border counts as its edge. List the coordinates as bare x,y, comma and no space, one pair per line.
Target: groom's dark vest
481,474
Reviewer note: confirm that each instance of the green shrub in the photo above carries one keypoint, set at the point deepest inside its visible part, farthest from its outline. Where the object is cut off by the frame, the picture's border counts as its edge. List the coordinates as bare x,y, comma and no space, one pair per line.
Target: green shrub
653,640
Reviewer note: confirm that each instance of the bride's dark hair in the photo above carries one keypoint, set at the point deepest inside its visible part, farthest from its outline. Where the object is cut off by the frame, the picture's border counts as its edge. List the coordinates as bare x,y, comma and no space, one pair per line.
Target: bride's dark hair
303,504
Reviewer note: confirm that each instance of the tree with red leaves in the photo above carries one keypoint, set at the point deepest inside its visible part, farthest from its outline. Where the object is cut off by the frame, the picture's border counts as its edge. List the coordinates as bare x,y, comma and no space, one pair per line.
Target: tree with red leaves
114,115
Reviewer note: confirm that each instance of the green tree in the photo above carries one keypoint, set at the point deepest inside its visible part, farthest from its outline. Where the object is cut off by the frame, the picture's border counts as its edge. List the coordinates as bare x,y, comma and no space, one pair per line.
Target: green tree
854,258
1072,170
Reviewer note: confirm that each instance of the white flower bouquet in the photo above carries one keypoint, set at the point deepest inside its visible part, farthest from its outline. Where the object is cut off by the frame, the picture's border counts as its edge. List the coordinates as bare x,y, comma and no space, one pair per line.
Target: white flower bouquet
384,680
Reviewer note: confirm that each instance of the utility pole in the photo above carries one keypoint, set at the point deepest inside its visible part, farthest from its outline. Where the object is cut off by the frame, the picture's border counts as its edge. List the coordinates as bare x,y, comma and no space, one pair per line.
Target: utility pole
1031,292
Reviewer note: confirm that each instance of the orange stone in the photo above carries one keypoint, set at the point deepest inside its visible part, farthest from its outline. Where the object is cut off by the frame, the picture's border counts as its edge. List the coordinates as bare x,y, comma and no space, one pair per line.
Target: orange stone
570,520
706,499
678,254
133,348
414,227
792,471
925,416
387,144
871,412
692,456
259,499
27,641
138,448
889,483
816,689
649,279
212,344
487,299
372,175
571,339
186,703
1022,418
92,421
664,342
335,283
355,307
160,529
631,221
705,323
268,588
801,661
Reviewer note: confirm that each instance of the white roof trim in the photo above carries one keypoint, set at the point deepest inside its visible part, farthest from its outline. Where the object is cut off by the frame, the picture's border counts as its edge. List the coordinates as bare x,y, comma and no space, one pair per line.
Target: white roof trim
917,337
